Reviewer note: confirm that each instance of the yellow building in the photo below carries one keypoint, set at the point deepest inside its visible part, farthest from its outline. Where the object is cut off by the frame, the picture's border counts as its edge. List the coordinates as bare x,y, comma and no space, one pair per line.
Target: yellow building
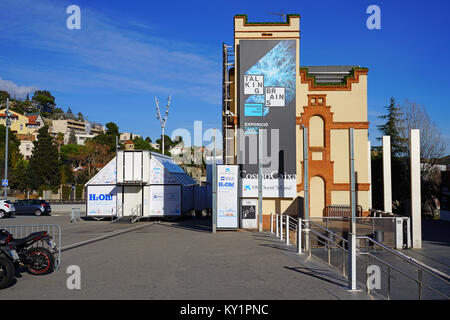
327,100
18,123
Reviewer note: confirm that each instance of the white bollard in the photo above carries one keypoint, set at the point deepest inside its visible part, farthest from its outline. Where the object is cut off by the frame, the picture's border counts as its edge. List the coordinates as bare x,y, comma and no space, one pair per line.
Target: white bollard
277,225
287,229
387,181
281,226
416,217
299,236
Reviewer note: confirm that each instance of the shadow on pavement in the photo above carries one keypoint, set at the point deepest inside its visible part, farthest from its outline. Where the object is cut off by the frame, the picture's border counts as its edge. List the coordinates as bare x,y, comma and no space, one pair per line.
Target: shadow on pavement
192,224
319,274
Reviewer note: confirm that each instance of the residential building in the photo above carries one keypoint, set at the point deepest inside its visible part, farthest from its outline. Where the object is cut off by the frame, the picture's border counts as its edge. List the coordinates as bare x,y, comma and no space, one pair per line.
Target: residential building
18,122
79,127
35,121
26,144
125,136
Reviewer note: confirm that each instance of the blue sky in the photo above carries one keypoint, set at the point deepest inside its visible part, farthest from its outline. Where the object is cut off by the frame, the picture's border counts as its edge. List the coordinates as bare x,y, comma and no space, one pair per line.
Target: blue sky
128,52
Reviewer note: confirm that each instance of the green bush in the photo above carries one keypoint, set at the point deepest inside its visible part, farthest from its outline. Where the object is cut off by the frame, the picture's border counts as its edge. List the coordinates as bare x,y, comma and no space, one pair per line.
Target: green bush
66,190
79,188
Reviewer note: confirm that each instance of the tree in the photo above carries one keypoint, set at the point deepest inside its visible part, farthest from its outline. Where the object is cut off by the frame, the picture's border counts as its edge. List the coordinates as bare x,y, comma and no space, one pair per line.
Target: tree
391,128
80,116
3,96
19,176
432,143
75,154
148,140
109,138
112,129
44,166
167,142
141,144
67,176
72,138
44,101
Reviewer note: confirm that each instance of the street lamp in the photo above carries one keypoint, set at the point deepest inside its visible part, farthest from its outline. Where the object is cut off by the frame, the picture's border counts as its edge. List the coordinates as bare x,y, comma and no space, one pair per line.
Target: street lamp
162,120
5,182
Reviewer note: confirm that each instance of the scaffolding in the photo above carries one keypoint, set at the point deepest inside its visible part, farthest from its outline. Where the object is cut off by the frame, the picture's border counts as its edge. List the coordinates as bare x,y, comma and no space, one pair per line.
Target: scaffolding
228,116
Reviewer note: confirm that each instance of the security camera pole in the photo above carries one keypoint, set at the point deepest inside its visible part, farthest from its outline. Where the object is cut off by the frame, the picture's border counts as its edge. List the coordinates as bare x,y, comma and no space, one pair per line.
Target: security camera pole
5,182
161,120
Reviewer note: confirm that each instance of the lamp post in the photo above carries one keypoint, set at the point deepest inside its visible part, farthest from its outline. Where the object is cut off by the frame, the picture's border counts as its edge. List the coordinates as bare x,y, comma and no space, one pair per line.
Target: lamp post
162,120
6,148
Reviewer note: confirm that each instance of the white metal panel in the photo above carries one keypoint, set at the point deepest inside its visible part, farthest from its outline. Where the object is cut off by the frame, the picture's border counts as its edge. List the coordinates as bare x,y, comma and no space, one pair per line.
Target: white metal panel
137,166
101,200
146,166
107,175
132,198
165,200
227,196
146,206
249,213
128,159
119,166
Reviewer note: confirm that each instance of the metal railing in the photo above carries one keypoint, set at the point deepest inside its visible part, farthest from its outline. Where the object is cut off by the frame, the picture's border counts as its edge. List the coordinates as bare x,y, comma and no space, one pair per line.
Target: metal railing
365,226
308,235
136,214
21,231
65,201
425,277
318,240
118,213
75,215
337,210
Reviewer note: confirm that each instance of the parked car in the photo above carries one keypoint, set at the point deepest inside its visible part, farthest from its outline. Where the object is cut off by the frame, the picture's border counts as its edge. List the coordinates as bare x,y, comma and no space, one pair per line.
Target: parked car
32,206
6,209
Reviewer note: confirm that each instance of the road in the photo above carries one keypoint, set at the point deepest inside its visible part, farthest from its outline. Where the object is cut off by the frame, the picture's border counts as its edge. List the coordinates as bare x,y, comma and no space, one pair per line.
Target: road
178,260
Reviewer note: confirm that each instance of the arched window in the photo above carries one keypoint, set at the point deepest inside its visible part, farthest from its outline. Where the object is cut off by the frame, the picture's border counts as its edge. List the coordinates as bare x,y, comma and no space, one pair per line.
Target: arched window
317,129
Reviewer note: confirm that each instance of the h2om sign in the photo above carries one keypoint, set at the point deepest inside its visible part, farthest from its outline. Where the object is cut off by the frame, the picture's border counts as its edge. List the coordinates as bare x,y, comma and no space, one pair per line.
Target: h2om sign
100,197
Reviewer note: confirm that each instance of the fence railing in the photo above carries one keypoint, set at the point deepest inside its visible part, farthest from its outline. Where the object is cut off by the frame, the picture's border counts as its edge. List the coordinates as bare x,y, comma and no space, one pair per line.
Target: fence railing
21,231
337,210
319,240
75,215
136,214
399,267
66,201
116,213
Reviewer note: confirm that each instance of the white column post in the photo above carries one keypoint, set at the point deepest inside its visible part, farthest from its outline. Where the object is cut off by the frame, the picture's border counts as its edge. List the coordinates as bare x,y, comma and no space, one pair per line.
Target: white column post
281,226
287,229
351,265
369,174
387,182
277,224
299,236
416,214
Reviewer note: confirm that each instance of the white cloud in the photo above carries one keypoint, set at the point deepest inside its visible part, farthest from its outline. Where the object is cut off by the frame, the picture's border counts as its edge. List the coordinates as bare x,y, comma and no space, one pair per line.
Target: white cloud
107,53
16,91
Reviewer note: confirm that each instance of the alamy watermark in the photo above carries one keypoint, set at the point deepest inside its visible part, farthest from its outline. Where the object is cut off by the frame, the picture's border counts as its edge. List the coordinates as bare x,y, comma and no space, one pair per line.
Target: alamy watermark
374,20
73,281
373,277
74,20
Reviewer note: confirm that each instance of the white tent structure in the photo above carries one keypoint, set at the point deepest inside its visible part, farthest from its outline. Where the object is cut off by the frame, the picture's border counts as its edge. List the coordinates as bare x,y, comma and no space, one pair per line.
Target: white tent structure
140,183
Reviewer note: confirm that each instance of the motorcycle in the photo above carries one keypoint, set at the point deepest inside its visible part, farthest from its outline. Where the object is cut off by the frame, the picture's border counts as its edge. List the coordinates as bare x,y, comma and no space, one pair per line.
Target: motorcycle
38,260
7,269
